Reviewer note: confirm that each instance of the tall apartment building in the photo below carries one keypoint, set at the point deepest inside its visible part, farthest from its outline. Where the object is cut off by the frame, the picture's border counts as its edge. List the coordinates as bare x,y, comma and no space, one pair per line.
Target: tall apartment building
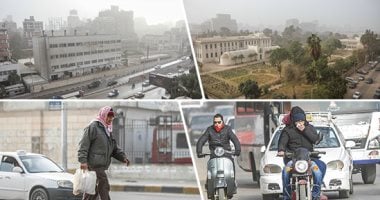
5,53
220,49
31,28
56,57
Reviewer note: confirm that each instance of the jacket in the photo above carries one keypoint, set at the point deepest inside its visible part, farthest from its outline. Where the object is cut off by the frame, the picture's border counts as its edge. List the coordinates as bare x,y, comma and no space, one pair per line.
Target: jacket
218,139
96,148
291,138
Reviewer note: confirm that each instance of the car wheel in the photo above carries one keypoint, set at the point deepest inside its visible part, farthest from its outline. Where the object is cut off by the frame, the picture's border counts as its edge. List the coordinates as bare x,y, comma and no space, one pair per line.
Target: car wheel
343,194
39,194
369,174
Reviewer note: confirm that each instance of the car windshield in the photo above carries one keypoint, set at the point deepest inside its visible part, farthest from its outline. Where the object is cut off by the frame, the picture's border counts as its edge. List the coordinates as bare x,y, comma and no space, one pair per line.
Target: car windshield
329,139
39,164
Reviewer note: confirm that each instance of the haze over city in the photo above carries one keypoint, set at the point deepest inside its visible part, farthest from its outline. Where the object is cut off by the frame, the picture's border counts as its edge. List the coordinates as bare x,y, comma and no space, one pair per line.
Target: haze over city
337,14
154,12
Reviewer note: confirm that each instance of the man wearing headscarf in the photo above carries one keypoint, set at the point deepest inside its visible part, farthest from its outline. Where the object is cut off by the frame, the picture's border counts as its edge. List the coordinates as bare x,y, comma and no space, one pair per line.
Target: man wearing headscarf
96,148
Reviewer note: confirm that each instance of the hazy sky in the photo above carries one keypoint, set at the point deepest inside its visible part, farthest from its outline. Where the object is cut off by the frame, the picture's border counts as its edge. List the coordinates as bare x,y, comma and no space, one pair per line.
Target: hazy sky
357,13
155,11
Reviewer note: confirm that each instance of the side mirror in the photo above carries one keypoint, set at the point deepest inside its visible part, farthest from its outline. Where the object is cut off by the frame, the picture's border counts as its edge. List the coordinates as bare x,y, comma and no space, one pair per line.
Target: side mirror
17,170
262,149
350,144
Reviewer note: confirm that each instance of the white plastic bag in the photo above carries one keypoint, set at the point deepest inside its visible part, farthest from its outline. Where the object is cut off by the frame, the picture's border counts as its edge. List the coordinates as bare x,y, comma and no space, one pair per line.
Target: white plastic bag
84,181
89,182
77,182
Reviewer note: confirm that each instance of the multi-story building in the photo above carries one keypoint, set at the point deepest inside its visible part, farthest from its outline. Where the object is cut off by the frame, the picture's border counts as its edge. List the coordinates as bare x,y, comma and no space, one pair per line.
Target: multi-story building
31,28
9,25
211,50
351,43
7,68
75,55
5,53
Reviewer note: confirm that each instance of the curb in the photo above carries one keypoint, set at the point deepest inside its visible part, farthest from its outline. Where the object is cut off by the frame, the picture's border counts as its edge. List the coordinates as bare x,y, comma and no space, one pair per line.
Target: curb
160,189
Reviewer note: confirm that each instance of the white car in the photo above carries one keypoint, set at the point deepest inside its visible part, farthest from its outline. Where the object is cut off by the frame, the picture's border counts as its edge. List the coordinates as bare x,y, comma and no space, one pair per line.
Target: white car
338,160
33,176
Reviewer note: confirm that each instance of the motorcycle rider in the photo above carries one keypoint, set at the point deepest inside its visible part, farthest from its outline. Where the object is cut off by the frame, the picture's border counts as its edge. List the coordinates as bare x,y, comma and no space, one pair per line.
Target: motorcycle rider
219,134
300,134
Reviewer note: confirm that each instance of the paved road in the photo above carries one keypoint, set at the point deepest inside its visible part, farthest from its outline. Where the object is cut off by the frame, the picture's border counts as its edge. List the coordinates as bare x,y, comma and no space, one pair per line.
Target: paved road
150,196
367,90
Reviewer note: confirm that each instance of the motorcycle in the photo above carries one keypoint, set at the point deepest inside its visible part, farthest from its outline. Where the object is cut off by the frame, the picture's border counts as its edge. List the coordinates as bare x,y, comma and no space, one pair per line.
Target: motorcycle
220,183
301,173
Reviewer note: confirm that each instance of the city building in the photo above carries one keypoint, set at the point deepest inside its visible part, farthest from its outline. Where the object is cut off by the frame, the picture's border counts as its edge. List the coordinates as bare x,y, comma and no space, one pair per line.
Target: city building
221,50
223,21
8,24
73,20
58,57
292,22
7,68
351,43
5,53
31,28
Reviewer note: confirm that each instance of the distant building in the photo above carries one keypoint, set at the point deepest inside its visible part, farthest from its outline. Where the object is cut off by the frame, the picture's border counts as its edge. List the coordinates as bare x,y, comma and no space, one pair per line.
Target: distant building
73,20
352,43
57,57
224,21
32,28
5,53
292,22
7,68
222,49
56,23
10,26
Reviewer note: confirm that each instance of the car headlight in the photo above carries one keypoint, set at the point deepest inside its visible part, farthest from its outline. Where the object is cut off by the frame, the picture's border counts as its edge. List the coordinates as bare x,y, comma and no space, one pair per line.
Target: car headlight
219,151
301,166
335,165
65,184
271,168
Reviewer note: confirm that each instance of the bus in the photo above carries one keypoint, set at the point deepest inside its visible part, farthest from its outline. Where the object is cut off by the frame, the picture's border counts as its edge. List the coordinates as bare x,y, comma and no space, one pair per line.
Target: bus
169,144
255,123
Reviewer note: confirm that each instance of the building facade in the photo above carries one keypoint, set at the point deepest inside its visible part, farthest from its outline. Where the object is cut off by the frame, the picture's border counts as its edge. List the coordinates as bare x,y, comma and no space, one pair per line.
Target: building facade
32,28
210,50
7,68
352,43
5,53
75,55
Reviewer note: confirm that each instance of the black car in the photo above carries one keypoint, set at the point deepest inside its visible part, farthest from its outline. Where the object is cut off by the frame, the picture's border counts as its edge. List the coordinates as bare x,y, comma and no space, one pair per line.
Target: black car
112,83
369,81
94,84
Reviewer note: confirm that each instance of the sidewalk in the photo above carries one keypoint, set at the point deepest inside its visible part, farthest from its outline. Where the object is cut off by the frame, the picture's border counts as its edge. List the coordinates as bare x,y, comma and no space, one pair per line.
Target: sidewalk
154,185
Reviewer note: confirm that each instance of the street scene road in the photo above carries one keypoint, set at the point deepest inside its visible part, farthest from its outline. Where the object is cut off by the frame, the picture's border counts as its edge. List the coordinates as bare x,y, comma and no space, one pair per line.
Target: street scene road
367,90
149,196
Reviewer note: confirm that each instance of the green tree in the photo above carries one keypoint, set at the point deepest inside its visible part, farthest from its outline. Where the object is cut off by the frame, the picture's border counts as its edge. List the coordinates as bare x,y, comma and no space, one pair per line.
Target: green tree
368,40
189,84
250,89
241,57
296,52
14,78
330,45
277,57
234,58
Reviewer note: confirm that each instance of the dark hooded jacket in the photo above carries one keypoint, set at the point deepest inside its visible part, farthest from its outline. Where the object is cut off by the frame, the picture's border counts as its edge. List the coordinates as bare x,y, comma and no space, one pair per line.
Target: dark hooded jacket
291,138
218,139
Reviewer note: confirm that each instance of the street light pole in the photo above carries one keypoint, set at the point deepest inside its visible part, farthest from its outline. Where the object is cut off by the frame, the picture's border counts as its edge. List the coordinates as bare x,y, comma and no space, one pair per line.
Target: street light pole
64,135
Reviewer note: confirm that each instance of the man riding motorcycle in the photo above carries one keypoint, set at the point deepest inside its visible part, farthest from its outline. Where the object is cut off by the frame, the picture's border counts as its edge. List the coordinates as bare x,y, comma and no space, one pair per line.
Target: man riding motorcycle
300,134
218,135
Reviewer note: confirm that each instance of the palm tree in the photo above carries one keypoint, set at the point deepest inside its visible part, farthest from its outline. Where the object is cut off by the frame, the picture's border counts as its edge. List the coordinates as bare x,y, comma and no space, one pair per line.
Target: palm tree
314,44
368,40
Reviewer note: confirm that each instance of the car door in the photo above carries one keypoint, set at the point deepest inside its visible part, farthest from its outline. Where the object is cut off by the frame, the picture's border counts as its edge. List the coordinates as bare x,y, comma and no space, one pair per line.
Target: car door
11,183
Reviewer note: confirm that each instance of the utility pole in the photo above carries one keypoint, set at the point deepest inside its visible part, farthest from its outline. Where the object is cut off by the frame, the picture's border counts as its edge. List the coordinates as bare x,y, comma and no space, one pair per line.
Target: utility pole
64,135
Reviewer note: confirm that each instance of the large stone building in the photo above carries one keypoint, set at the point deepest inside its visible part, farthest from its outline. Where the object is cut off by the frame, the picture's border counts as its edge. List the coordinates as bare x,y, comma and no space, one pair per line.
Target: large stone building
223,49
31,28
56,57
352,43
5,53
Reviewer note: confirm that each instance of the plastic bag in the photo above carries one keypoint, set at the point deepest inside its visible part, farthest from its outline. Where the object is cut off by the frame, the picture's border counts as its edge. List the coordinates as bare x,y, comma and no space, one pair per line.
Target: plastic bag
89,182
84,181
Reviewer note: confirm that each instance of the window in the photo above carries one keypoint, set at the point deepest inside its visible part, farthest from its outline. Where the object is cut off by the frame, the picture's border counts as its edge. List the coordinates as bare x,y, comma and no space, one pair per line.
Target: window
79,44
8,163
79,63
100,60
211,55
205,46
215,45
64,66
71,54
94,61
71,44
87,62
55,67
63,55
181,142
216,54
80,54
87,53
206,55
62,45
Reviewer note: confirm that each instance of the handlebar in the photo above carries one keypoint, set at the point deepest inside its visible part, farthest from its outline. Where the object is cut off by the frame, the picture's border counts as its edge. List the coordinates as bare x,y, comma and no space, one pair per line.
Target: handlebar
312,153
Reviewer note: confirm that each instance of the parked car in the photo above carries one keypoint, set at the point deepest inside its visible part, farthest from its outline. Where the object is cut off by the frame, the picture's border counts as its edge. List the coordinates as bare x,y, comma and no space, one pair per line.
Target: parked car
33,176
157,67
362,71
361,78
111,83
351,80
146,83
139,95
113,93
369,81
94,84
351,85
356,95
337,158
